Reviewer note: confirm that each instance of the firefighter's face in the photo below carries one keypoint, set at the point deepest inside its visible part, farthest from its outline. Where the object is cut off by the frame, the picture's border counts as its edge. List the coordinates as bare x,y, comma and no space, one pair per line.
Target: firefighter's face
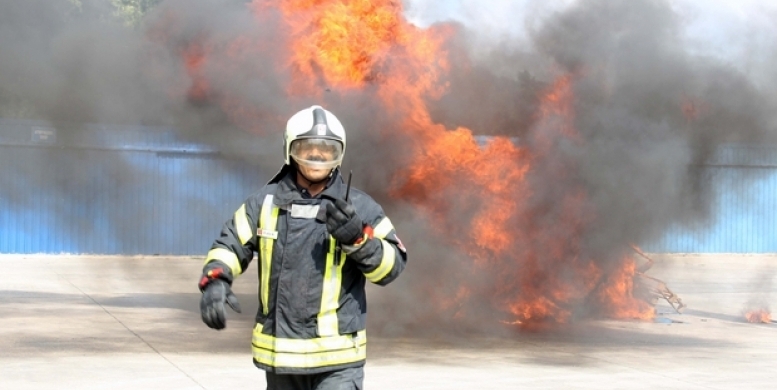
314,174
316,157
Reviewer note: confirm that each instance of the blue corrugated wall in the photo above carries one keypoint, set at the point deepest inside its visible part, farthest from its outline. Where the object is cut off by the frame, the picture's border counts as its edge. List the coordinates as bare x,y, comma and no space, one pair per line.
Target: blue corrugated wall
744,216
113,191
138,190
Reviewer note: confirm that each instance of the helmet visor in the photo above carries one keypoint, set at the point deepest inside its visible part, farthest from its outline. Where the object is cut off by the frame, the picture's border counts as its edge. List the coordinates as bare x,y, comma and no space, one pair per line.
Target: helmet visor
317,153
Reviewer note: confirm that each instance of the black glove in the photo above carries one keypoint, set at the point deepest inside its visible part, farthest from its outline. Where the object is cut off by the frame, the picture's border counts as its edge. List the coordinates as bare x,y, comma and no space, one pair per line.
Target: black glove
343,223
212,308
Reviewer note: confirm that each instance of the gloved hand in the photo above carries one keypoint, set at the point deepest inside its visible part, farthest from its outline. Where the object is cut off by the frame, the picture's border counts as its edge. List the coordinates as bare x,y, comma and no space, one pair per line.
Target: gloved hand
212,308
343,223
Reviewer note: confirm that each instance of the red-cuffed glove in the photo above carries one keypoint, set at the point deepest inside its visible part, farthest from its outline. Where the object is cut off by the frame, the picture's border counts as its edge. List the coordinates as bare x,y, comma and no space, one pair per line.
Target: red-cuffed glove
216,293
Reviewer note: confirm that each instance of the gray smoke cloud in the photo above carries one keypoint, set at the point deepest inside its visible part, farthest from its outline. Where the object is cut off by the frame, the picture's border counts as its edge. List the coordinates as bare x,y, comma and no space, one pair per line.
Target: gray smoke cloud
642,150
68,63
649,111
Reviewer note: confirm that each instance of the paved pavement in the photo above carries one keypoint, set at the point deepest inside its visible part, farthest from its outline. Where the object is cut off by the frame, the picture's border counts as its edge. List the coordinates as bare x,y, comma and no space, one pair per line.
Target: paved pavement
80,322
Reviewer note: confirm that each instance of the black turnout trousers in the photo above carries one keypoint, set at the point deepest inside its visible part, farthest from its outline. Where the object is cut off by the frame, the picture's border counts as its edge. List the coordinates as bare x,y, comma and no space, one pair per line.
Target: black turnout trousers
345,379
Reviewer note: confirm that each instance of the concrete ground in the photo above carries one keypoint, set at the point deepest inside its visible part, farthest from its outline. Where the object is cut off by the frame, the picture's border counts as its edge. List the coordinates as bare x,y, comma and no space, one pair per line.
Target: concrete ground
72,322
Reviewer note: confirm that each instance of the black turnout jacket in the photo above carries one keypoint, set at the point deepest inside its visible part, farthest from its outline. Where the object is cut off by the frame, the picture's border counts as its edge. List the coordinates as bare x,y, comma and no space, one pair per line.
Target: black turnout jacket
312,312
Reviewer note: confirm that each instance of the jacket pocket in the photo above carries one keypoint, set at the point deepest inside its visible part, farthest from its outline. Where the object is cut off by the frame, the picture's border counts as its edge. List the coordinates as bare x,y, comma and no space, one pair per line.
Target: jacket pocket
350,317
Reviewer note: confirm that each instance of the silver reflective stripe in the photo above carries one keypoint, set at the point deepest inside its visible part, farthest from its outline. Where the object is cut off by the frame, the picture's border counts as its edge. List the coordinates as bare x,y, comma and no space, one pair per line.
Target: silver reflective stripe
386,263
330,293
227,257
308,353
268,221
307,211
243,227
383,228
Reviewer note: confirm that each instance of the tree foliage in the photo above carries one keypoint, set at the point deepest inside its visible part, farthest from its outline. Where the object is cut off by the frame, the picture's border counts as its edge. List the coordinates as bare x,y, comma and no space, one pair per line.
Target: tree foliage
132,11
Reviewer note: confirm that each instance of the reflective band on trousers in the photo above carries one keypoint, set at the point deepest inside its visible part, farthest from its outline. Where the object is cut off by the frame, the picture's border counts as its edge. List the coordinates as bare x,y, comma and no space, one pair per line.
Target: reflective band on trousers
308,353
267,224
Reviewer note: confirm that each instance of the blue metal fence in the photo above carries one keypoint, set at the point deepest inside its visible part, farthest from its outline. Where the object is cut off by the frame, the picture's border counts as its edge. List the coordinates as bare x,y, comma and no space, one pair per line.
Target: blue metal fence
139,190
113,191
744,215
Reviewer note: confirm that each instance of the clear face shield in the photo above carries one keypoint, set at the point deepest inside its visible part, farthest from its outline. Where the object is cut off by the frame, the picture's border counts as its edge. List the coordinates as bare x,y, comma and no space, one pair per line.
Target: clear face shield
317,153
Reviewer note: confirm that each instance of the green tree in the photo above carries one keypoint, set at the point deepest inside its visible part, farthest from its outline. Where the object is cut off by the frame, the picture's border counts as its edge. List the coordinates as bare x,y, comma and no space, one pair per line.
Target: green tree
132,11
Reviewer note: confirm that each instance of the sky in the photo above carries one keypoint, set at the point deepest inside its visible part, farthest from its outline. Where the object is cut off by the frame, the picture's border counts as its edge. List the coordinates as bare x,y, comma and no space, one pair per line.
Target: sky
740,32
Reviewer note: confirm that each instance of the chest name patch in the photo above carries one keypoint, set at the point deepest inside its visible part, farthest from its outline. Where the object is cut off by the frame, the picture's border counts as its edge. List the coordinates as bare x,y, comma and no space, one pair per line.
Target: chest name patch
307,211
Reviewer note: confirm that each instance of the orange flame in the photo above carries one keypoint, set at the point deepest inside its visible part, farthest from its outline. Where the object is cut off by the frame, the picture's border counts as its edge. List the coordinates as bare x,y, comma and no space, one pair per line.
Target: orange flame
194,57
349,43
530,247
759,316
692,108
616,295
345,40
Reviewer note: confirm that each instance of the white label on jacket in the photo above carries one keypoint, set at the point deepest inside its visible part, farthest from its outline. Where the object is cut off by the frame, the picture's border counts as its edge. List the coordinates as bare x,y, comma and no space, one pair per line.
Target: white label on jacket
264,233
308,211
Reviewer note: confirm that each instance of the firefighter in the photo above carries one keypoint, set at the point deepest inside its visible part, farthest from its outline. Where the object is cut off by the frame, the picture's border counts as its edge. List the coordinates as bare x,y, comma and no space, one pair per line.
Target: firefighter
317,242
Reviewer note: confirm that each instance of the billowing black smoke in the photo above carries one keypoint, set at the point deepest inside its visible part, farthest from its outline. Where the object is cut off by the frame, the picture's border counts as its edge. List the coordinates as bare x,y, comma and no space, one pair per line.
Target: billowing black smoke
651,115
649,112
80,62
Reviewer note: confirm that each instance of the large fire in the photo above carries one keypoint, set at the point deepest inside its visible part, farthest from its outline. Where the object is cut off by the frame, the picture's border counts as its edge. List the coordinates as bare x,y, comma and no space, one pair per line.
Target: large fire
530,247
532,252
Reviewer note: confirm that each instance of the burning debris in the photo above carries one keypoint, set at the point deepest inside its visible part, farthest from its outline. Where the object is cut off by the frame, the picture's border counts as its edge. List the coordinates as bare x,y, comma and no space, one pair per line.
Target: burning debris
757,310
759,316
652,289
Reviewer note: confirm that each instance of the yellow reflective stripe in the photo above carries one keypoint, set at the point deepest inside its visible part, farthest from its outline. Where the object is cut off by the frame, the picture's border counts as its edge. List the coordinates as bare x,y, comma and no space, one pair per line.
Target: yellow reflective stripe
309,360
383,228
386,263
300,346
330,294
244,231
308,353
227,257
267,222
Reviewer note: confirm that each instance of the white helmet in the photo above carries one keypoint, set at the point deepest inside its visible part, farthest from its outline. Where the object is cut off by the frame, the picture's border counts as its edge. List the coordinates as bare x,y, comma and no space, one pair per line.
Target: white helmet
314,127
